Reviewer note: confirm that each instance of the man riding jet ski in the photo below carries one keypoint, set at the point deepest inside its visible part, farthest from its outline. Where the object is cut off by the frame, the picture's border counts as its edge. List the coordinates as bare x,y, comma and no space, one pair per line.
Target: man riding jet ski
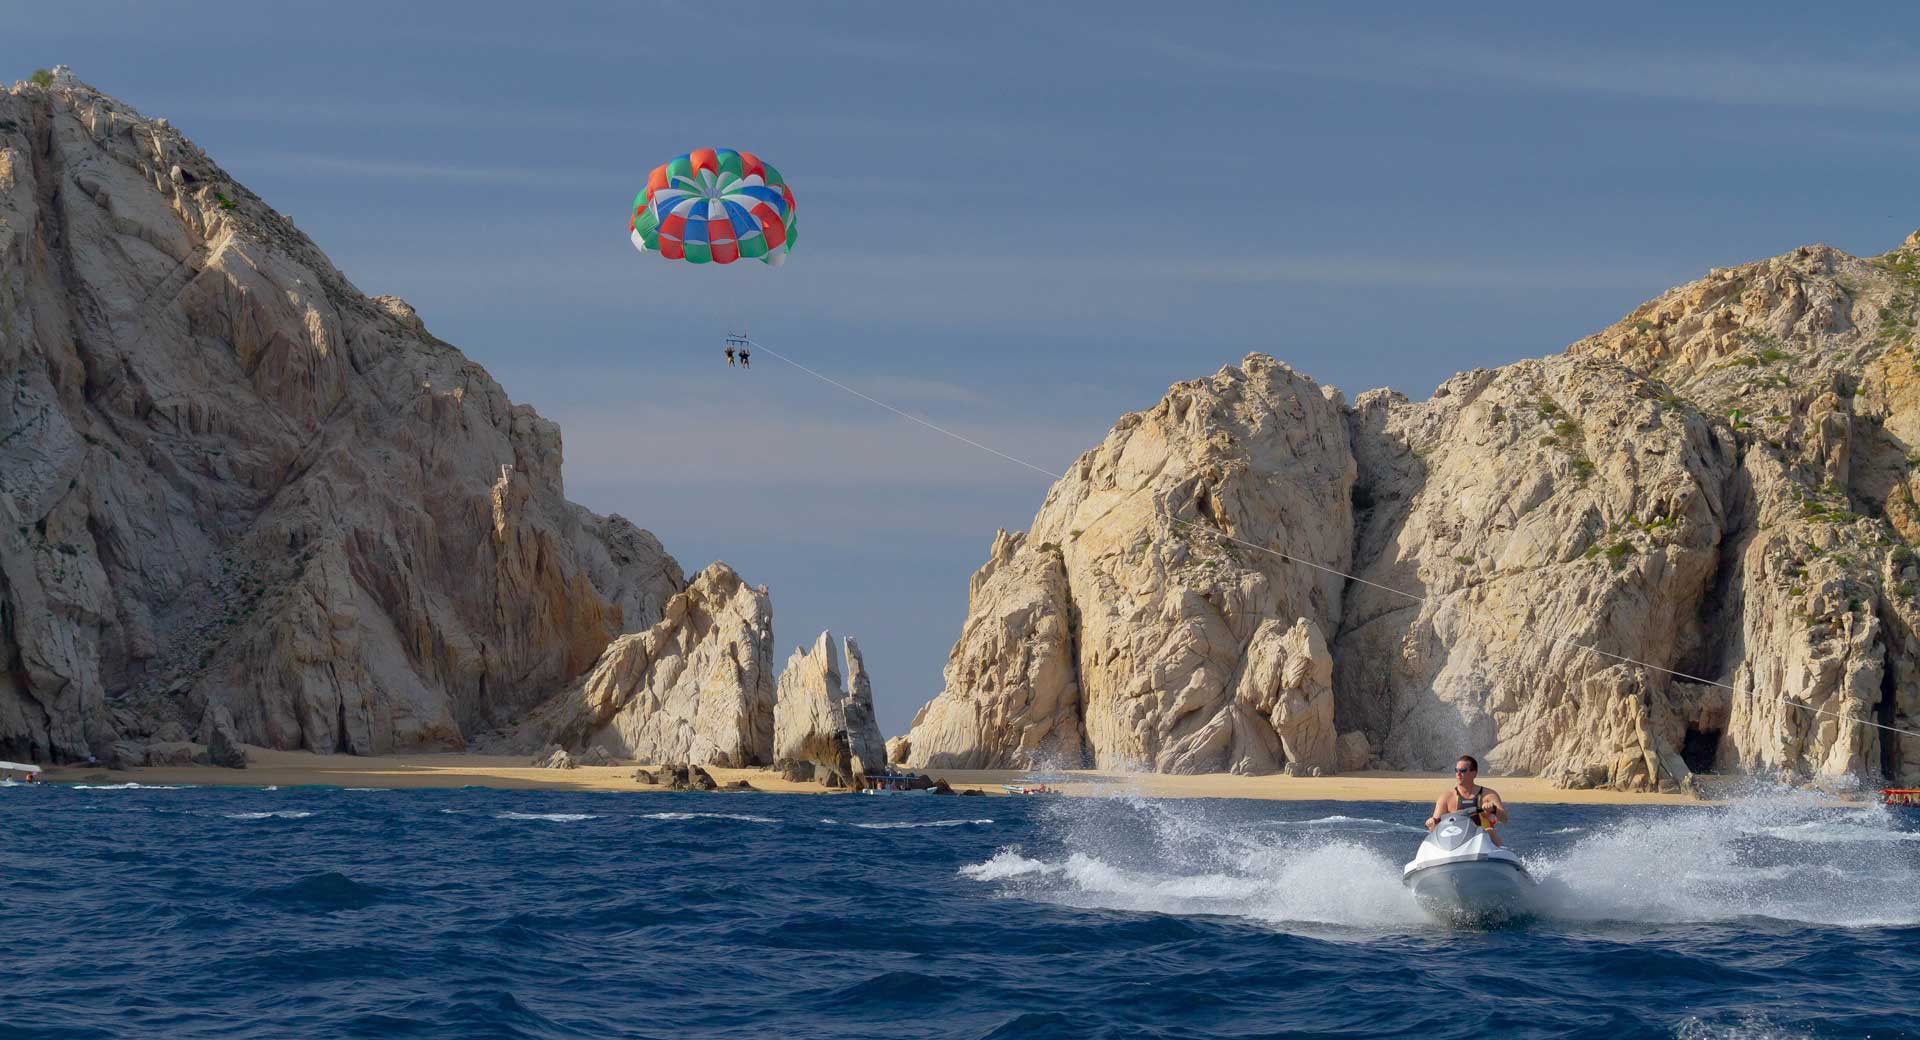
1461,873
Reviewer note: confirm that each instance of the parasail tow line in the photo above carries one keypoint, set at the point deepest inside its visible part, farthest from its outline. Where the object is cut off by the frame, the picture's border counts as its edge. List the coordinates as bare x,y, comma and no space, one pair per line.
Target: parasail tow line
1422,600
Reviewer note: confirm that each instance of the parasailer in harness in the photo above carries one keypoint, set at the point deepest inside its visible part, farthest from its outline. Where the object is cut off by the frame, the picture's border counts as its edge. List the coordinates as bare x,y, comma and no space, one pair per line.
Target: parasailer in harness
1467,796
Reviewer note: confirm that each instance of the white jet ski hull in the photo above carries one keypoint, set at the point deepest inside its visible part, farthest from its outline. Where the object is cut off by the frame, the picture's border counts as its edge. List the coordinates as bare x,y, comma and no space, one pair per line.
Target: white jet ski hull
1488,891
1459,876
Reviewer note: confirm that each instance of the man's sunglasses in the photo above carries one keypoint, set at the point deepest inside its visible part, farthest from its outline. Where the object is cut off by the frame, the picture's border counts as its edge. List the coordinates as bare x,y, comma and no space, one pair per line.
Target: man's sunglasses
1466,770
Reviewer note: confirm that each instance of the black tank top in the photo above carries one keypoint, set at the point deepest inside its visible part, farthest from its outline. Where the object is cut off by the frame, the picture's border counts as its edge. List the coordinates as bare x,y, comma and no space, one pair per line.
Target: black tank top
1469,803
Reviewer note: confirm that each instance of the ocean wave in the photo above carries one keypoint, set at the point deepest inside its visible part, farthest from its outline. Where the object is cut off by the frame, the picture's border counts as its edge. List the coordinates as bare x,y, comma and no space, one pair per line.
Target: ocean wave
1180,858
326,891
1006,863
1783,856
902,825
549,817
283,814
130,786
740,817
1122,917
1839,832
1786,855
1338,821
1746,1027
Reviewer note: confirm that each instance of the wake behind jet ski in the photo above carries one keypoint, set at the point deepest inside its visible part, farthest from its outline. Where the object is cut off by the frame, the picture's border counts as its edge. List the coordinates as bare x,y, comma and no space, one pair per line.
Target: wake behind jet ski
1459,876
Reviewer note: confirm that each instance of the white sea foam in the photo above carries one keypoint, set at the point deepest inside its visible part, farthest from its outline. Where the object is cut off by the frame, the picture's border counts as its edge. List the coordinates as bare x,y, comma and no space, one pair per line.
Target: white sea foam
906,824
1006,863
1360,823
283,814
1748,1027
129,786
1135,854
1788,856
742,817
549,817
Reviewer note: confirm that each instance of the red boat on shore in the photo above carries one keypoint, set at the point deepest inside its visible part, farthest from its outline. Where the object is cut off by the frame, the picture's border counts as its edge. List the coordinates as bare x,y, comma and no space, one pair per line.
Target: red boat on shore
1900,796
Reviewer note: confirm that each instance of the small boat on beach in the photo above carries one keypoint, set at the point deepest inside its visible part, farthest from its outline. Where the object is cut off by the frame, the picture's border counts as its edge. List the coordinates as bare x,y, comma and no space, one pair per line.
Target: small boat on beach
1909,796
1028,789
11,771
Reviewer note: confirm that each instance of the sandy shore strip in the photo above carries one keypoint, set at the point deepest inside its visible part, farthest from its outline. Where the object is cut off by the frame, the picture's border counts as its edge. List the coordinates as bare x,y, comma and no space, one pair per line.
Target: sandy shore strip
299,768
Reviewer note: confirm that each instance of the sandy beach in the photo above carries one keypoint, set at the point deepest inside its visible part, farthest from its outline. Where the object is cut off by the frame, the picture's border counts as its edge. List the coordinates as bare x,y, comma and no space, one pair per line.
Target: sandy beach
296,768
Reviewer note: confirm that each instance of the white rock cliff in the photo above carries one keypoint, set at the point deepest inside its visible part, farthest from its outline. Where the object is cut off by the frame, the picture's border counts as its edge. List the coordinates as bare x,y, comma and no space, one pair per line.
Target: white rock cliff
229,480
1685,545
823,721
696,688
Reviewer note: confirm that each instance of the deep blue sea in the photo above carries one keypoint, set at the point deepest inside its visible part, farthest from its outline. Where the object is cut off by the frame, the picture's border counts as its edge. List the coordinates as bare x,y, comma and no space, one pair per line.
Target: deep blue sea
321,912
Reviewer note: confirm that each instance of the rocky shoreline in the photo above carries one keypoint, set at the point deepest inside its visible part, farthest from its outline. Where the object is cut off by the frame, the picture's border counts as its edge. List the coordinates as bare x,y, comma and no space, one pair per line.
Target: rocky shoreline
458,769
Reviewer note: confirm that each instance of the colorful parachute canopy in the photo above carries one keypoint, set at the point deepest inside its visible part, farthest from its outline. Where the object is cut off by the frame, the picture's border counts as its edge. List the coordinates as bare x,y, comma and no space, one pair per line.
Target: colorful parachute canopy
715,205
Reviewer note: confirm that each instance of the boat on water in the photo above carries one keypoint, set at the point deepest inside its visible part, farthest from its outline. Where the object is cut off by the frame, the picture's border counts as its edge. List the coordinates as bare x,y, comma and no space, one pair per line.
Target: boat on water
1459,876
13,771
1028,789
1909,796
892,784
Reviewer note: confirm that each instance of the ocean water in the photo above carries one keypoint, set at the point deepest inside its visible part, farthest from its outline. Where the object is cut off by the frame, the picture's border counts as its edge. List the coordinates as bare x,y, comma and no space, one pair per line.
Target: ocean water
130,911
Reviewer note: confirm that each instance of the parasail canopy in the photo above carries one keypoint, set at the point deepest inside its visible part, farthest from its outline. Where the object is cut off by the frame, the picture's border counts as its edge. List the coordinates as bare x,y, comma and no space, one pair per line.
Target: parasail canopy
715,205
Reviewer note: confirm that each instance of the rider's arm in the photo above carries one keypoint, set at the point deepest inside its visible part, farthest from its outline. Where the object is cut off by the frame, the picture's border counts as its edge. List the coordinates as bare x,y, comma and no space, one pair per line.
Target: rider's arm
1499,806
1439,810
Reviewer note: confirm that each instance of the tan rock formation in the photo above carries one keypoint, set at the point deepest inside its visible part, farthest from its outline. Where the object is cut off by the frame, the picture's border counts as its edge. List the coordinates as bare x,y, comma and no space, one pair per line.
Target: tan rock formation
697,687
823,725
1011,698
1683,545
1138,572
230,480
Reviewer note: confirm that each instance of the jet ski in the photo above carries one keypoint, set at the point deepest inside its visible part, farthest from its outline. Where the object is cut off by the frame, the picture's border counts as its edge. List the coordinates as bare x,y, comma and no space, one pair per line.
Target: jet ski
1459,876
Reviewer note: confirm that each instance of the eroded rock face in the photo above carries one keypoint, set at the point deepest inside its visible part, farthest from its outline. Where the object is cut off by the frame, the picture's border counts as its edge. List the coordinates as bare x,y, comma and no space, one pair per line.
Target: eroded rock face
229,479
1136,603
1012,697
698,687
1684,545
1809,361
1539,510
824,726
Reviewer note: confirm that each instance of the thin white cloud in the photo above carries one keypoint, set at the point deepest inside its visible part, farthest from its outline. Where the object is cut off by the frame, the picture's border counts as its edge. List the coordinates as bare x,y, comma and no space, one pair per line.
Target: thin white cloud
1886,78
402,170
846,444
821,516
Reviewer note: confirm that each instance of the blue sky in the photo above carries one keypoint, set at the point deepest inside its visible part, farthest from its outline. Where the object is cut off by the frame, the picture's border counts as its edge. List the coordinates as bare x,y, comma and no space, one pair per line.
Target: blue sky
1019,220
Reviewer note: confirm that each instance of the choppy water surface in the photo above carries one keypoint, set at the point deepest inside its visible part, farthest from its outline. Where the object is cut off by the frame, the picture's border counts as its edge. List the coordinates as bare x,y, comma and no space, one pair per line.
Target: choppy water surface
317,912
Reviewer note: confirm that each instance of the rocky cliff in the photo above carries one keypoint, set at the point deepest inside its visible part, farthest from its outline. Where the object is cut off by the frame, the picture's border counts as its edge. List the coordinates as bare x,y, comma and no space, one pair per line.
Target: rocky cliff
1681,546
698,687
823,722
230,480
